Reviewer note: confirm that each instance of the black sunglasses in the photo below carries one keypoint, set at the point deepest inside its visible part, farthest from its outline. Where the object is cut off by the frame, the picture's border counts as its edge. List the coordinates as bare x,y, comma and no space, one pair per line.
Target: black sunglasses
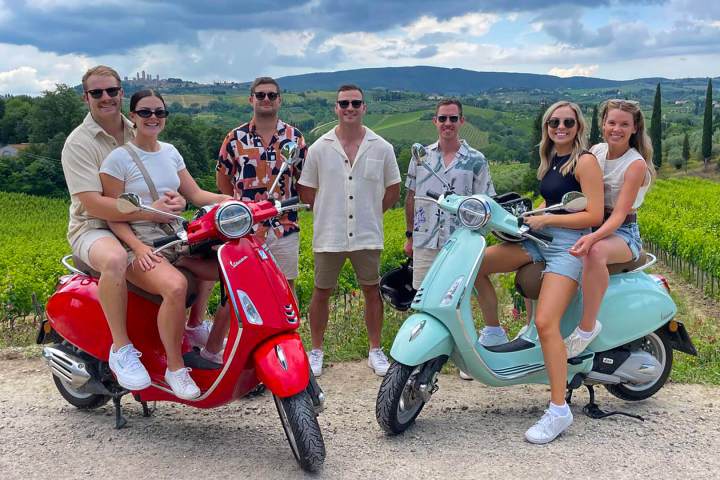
98,92
346,103
444,118
147,113
555,122
272,96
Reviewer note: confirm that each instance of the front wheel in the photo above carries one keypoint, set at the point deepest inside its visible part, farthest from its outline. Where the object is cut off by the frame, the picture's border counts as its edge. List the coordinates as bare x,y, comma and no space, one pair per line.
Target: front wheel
81,400
657,345
302,430
399,399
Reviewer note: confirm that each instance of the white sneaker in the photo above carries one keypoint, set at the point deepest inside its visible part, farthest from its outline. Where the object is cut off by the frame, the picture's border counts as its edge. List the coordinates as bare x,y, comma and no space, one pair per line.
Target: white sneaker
378,361
212,357
315,356
465,376
198,336
490,339
548,427
521,332
128,369
575,344
182,384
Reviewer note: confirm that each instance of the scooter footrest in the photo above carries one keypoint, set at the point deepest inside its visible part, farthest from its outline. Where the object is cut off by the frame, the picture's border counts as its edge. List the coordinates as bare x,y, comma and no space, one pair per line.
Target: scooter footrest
193,359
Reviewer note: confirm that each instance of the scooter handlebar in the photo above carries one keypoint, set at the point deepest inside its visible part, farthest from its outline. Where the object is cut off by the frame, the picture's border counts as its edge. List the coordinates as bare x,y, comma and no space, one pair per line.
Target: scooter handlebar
290,202
165,240
433,195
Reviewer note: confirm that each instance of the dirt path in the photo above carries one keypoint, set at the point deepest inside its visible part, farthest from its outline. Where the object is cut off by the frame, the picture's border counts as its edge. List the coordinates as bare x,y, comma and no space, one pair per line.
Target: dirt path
466,431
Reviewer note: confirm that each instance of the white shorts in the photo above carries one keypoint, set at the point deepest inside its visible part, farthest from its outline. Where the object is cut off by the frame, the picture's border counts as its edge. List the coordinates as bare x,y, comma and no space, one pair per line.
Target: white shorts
286,252
422,260
82,243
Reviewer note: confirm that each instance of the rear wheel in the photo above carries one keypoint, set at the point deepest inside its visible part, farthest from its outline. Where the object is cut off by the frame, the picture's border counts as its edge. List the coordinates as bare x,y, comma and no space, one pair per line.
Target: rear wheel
399,399
657,345
81,400
302,430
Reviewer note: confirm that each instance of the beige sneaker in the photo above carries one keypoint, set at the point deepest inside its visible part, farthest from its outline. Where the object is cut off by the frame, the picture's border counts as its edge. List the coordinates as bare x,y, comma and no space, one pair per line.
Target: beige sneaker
575,344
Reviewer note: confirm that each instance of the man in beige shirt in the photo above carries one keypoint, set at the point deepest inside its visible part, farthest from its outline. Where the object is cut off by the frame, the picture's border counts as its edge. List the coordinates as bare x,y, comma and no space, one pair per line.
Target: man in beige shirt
104,129
350,177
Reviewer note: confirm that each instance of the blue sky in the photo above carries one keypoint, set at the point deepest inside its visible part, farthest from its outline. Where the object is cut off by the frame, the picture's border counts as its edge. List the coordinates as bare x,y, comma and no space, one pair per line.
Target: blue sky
44,42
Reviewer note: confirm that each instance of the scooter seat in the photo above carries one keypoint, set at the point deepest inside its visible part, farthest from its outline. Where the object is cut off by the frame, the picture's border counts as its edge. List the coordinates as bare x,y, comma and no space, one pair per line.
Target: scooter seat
528,279
157,299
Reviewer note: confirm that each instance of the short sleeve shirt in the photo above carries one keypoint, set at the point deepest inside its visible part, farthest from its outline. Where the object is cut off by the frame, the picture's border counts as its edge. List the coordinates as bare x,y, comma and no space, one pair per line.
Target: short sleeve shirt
467,174
85,149
347,214
253,166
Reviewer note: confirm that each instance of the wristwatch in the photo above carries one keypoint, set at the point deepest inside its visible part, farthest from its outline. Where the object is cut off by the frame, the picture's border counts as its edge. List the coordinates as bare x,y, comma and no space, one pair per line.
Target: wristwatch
408,234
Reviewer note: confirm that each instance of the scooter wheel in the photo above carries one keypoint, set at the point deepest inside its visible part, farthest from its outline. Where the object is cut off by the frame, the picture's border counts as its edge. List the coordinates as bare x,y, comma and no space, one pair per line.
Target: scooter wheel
302,430
658,346
398,402
81,400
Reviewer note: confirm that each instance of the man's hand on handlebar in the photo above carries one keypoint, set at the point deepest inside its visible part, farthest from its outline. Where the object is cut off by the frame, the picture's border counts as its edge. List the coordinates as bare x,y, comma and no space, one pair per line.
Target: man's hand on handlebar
537,222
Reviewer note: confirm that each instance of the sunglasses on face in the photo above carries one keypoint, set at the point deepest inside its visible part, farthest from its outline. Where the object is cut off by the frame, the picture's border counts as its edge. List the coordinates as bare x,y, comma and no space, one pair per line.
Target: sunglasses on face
346,103
98,92
272,96
555,122
147,113
445,118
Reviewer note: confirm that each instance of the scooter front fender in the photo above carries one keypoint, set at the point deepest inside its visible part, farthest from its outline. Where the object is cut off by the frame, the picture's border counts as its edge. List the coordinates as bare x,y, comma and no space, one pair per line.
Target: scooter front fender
282,365
421,338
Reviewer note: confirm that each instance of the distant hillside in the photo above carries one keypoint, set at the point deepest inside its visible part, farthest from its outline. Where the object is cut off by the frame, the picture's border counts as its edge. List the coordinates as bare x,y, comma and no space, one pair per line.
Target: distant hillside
448,81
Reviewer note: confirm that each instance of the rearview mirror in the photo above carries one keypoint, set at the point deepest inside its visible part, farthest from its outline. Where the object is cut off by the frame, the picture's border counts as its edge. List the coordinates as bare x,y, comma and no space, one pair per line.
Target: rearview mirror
574,202
418,152
128,203
290,152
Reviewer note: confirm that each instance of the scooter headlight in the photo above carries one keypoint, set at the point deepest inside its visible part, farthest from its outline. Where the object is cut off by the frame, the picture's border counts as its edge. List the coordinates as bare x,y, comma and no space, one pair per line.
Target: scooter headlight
474,213
234,219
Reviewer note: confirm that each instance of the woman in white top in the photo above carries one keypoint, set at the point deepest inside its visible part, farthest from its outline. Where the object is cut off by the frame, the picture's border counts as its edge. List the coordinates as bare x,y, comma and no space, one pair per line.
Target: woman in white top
626,161
156,273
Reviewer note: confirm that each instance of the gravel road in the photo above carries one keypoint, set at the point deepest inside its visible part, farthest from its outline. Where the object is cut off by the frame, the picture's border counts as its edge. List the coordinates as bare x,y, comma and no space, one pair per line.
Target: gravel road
466,431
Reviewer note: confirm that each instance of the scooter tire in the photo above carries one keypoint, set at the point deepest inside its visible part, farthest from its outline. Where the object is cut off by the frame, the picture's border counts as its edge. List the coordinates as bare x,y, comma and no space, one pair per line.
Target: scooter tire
389,410
633,394
302,430
83,401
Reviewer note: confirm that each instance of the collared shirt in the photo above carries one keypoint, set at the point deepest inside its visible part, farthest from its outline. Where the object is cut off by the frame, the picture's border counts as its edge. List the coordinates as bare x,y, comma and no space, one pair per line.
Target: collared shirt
85,149
253,167
347,214
467,174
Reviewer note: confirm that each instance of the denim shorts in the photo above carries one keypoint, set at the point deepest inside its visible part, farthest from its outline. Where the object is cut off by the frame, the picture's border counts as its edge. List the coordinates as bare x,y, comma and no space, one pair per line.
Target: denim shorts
631,234
556,255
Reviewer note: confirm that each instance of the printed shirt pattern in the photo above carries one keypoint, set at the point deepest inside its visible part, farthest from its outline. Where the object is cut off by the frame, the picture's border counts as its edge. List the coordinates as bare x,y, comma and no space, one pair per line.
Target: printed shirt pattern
253,167
467,174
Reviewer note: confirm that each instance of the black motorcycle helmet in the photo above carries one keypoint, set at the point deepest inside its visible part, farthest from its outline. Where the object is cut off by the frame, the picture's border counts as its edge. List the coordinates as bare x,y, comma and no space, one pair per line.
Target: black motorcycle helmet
396,286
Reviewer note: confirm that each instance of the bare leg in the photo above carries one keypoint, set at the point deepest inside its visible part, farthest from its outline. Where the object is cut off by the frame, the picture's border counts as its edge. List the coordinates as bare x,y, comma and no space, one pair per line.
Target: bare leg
110,259
506,257
556,293
199,308
220,328
319,312
373,314
595,276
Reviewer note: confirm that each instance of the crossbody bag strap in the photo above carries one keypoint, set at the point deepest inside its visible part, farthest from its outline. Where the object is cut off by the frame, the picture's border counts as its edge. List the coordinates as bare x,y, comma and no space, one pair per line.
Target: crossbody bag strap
151,185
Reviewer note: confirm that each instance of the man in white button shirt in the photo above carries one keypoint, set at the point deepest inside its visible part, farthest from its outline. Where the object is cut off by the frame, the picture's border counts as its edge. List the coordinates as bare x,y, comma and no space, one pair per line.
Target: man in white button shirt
350,177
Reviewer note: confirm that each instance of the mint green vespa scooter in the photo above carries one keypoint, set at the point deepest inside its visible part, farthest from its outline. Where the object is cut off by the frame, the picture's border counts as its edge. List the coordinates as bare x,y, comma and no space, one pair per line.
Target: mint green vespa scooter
632,356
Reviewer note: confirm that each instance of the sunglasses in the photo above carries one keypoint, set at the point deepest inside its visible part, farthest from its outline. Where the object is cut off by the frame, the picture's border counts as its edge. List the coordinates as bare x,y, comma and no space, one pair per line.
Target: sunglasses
445,118
272,96
555,122
147,113
346,103
98,92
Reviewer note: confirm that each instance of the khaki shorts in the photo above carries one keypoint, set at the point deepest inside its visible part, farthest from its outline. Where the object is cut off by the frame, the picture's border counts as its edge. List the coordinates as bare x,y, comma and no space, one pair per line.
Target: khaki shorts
422,260
83,242
286,252
366,264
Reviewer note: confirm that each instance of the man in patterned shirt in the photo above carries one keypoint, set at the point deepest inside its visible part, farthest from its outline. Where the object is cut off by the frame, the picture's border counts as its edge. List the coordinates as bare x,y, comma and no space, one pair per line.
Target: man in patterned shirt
249,161
466,171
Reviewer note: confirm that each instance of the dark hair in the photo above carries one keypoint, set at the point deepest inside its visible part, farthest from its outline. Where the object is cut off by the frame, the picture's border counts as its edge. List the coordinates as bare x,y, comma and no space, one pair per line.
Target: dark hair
349,87
140,94
263,81
449,101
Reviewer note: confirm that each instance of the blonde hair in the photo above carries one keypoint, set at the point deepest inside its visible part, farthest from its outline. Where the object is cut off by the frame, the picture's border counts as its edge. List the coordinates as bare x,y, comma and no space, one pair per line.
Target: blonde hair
547,146
639,140
102,71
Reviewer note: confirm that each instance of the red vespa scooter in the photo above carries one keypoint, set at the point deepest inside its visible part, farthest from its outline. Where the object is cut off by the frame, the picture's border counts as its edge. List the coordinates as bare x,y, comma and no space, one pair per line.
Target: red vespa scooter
263,343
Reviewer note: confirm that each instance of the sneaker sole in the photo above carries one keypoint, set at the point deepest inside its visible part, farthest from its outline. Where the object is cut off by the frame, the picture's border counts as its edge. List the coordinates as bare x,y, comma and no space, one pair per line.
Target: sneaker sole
130,386
376,372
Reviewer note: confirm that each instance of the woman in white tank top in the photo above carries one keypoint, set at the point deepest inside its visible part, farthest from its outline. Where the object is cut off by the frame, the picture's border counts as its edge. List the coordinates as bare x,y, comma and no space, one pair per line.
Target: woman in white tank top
626,161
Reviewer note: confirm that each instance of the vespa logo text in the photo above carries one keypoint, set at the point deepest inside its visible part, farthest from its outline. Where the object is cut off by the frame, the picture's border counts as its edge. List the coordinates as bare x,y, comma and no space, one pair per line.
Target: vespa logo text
235,264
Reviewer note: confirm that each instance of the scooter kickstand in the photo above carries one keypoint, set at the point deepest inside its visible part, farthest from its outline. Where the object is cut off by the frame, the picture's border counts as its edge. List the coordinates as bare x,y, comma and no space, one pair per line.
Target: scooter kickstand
120,421
147,411
592,409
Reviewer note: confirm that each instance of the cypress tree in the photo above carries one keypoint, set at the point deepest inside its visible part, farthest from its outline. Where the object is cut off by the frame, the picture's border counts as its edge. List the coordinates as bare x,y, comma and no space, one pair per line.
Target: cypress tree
536,137
685,151
707,126
594,128
656,129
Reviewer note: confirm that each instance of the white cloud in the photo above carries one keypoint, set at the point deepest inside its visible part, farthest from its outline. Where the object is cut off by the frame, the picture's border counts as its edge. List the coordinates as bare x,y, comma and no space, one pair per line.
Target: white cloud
24,80
5,12
474,24
575,71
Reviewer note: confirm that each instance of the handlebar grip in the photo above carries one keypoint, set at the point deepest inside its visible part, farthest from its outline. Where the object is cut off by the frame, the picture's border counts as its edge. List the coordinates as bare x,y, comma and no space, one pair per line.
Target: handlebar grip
433,195
164,240
290,202
545,238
